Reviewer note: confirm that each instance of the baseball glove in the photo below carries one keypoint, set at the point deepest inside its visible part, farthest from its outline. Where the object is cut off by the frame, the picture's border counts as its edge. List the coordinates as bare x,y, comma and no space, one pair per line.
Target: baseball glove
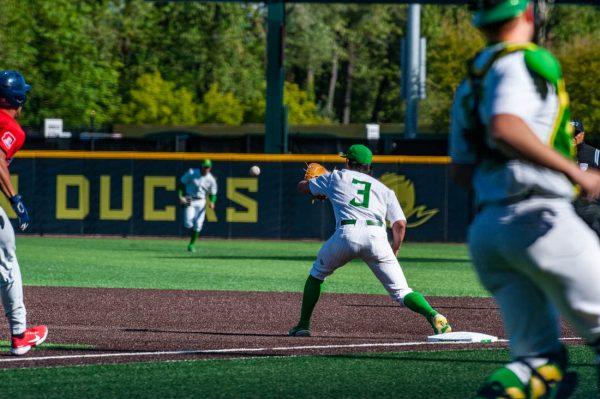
313,170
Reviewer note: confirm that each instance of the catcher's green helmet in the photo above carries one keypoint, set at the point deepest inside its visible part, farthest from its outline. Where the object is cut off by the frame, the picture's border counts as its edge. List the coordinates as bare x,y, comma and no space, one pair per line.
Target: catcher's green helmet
491,11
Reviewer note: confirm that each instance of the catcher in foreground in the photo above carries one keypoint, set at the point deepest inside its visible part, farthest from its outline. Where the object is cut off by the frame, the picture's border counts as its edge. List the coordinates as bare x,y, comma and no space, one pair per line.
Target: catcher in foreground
510,140
361,205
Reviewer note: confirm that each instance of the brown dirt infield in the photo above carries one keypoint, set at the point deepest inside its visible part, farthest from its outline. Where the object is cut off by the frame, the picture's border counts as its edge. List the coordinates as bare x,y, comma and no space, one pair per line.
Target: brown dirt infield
130,321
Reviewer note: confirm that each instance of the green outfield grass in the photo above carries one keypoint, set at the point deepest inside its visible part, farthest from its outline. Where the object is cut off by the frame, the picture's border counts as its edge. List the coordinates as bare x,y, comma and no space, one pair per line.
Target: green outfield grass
414,375
251,265
246,265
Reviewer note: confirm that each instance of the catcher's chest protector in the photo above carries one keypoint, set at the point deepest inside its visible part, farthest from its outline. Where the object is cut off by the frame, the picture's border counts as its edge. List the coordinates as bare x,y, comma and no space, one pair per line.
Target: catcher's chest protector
544,68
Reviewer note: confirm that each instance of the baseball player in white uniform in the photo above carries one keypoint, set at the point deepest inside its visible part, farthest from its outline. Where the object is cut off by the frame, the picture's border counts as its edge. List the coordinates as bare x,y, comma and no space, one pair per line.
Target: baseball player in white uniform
361,205
198,189
511,140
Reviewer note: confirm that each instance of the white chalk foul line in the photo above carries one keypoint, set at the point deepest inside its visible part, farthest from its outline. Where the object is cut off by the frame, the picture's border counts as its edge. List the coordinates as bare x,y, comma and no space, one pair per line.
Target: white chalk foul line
234,350
228,350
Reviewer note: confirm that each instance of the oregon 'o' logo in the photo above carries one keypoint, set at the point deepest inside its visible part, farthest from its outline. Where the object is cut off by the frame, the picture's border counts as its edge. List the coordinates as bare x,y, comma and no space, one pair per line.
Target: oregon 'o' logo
405,191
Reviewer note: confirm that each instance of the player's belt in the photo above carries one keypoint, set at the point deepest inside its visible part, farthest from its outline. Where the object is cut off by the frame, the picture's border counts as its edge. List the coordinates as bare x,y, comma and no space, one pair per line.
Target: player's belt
529,194
369,222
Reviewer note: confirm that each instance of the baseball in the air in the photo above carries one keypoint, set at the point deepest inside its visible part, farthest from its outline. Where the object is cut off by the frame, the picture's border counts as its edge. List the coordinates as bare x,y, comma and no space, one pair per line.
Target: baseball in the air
255,170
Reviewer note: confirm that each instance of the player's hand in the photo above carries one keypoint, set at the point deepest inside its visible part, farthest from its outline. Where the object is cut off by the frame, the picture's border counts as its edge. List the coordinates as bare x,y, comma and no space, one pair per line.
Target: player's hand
184,201
396,248
19,207
316,198
589,181
211,205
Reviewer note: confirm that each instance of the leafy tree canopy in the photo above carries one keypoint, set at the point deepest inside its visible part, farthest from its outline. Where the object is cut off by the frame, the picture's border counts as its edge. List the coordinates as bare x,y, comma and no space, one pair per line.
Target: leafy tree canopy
156,101
191,62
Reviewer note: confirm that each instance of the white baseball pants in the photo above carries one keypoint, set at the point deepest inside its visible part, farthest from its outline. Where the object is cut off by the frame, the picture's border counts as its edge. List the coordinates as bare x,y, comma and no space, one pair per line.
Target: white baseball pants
369,243
534,257
194,214
11,285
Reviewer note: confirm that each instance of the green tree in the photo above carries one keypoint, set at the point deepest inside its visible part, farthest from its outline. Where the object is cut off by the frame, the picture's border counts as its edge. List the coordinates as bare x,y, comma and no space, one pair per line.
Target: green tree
194,45
301,109
368,44
581,62
377,90
452,41
342,60
65,49
568,23
18,52
199,44
346,55
220,107
75,69
137,26
310,42
156,101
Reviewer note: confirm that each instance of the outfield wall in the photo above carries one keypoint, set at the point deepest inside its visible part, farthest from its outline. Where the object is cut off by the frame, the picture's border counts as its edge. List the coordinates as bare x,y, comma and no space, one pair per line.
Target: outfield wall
69,192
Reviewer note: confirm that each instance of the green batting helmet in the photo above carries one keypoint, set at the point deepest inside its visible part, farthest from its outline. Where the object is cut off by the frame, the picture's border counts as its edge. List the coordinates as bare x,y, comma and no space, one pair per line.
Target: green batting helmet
489,12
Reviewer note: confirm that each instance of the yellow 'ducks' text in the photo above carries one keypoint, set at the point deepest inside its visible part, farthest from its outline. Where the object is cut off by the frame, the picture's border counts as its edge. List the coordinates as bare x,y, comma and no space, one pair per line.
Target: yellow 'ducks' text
158,199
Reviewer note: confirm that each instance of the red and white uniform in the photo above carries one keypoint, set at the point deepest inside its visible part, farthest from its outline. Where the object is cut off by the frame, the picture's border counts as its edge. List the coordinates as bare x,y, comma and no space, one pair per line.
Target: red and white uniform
12,136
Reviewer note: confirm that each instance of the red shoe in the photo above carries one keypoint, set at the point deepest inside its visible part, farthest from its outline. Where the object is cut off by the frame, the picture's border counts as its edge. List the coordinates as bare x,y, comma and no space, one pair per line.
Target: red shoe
32,336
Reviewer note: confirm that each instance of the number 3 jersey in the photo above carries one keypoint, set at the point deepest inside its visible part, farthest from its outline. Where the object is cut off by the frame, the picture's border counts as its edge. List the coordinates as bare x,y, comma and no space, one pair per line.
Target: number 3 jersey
357,196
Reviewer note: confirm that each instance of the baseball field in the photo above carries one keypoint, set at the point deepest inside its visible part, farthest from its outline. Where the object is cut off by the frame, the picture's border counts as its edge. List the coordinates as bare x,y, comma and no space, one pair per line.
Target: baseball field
143,318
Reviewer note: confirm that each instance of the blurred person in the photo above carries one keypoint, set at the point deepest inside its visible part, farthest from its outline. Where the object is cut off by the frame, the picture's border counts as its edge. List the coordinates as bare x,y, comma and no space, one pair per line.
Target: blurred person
512,141
13,94
587,157
198,189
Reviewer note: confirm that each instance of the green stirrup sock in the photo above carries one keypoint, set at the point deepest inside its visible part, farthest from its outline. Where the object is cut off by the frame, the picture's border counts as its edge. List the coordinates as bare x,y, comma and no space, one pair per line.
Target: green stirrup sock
194,236
416,302
506,378
312,291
